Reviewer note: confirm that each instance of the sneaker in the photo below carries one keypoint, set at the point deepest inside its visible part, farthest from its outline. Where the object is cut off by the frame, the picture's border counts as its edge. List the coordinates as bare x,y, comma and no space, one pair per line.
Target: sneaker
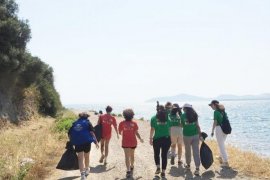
162,175
157,171
219,158
128,175
87,172
197,172
172,160
83,177
225,165
187,166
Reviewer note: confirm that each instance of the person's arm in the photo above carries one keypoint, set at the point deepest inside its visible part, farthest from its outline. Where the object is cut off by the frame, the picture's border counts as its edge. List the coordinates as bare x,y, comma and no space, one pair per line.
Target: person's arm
152,130
96,142
120,129
199,128
139,136
213,127
115,127
214,123
99,120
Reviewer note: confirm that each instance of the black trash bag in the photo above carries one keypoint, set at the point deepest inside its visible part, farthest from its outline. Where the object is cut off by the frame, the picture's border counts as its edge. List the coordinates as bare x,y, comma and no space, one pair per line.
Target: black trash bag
206,153
98,131
69,160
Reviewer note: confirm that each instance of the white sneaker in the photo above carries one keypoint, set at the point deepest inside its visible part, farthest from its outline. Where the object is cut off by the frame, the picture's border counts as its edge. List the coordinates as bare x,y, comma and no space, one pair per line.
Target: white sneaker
83,177
197,172
225,165
87,172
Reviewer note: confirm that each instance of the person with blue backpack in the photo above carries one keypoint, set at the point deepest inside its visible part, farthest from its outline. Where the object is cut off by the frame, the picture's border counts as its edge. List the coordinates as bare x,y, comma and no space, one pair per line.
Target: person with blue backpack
81,135
221,129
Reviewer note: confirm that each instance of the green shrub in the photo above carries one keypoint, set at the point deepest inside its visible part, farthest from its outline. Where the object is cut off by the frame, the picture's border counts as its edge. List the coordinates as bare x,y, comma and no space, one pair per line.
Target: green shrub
64,124
120,115
23,171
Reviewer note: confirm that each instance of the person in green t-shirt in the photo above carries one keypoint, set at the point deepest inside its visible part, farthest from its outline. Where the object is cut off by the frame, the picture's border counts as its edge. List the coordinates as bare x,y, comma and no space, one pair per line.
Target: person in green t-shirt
191,133
219,111
160,138
176,133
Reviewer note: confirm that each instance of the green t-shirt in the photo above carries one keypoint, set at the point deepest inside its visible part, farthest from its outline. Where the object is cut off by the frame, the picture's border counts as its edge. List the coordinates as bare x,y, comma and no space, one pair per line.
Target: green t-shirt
218,116
175,120
189,129
161,129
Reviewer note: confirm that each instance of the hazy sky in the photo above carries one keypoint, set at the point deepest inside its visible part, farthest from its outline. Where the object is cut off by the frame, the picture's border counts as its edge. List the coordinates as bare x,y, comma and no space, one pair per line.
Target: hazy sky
133,50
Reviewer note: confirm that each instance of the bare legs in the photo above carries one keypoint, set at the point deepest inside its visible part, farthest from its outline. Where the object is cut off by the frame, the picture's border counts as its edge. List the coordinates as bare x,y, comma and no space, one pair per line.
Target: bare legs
83,160
129,158
104,145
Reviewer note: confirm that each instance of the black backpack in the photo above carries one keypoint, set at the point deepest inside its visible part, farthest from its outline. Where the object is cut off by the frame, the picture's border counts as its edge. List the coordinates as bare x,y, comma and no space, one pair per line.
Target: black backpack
225,125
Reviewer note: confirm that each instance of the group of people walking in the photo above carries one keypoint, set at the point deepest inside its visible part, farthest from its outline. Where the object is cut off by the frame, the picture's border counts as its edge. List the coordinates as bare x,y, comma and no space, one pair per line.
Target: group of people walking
171,127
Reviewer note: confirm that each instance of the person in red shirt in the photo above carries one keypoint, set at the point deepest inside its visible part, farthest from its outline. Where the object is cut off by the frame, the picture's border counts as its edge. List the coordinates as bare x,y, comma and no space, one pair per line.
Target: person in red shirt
106,121
129,130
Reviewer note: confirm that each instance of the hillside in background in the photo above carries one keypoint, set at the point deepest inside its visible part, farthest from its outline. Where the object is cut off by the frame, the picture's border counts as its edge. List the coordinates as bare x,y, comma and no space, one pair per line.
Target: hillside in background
225,97
26,83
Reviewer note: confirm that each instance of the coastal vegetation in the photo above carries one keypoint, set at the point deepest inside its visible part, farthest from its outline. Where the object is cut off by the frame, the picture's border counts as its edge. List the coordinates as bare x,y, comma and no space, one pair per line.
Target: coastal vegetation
26,82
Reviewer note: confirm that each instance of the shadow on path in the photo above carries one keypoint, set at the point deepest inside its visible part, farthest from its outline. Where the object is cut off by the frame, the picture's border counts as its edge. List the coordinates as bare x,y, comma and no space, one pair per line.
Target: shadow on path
227,173
100,169
69,178
177,171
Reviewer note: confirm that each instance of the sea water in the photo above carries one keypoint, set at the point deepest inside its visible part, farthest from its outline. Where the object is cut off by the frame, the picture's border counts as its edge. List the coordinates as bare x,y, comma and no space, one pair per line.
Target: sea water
250,120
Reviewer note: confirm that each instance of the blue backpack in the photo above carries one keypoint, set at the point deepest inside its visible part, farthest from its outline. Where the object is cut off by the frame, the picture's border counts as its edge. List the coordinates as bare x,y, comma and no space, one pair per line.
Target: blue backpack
79,132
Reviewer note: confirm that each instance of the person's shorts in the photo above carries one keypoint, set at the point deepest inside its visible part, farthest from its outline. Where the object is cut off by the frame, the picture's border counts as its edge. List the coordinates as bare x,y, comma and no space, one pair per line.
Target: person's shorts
83,148
176,135
129,147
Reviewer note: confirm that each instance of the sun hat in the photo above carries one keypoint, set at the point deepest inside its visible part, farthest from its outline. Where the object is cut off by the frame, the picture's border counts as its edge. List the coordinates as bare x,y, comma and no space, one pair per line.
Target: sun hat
187,106
214,102
84,114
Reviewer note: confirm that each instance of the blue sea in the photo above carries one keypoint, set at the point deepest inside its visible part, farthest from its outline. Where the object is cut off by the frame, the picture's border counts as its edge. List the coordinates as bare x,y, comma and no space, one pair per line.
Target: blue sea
250,120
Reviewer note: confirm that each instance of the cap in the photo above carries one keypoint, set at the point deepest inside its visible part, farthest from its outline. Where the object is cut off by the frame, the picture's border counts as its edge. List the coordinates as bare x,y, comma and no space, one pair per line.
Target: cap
175,106
214,102
187,106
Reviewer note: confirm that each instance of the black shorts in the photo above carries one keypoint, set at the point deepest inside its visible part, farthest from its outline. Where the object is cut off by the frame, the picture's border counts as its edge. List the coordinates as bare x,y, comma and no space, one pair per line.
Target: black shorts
83,148
129,147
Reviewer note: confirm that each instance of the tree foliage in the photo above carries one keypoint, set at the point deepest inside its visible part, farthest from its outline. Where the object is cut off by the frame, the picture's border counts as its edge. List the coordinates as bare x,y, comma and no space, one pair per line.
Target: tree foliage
22,69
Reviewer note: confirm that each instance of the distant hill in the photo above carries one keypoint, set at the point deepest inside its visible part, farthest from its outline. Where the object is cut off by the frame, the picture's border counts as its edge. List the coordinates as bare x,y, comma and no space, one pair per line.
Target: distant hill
224,97
177,98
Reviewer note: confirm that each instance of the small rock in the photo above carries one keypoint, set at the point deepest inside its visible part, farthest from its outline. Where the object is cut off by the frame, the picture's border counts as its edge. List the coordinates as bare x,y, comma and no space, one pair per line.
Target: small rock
26,161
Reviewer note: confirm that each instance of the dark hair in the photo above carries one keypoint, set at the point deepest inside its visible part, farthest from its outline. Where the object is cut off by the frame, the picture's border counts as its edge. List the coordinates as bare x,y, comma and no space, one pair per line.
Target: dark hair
109,109
128,114
168,105
176,109
100,112
161,114
192,116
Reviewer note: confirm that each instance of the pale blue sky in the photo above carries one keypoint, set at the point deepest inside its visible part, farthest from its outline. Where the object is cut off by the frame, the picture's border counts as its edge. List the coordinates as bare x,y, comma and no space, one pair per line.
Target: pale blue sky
130,51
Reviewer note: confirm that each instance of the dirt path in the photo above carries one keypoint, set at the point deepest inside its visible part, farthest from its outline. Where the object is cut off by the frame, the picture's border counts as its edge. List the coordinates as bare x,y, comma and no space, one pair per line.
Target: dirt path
144,163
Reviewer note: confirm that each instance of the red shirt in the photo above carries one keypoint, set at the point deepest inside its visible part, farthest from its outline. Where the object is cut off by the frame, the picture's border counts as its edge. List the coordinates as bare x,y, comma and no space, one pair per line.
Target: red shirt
128,130
107,121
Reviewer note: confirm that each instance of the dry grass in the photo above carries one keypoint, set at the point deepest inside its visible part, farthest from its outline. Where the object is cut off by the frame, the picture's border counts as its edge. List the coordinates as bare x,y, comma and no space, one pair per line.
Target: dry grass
246,163
35,140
